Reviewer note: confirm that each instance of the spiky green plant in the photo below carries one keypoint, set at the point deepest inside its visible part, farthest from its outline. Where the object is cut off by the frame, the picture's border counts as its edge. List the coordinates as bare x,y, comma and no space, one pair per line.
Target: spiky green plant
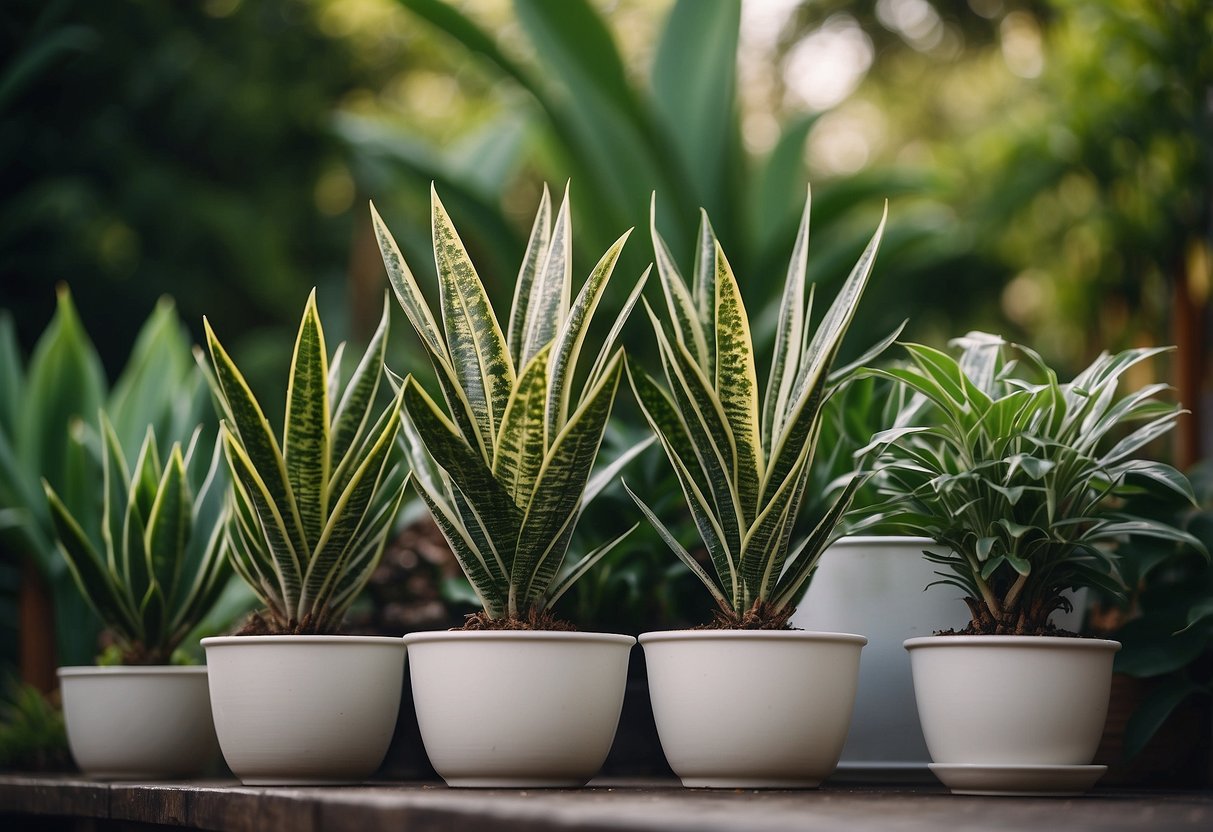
743,476
506,467
157,561
1021,477
310,515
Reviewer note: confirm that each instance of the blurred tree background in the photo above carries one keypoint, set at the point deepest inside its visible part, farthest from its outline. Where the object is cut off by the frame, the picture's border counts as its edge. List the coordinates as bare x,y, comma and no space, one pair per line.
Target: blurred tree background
1049,163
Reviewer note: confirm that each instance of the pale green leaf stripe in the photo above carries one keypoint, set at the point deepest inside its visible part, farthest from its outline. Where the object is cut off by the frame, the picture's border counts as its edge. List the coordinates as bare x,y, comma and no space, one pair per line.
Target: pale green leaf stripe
536,251
169,525
608,345
305,439
286,559
471,561
552,288
688,330
256,437
557,498
572,336
584,565
354,410
789,335
334,382
95,583
521,442
663,419
703,279
677,548
407,292
477,347
347,514
736,383
500,515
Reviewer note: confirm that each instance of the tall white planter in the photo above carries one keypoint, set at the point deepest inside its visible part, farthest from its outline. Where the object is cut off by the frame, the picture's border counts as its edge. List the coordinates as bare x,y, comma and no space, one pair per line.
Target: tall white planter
752,709
1013,714
138,723
518,709
304,709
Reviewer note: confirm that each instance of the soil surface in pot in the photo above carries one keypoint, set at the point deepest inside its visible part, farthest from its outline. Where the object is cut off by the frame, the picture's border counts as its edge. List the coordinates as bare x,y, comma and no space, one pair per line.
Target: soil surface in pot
533,620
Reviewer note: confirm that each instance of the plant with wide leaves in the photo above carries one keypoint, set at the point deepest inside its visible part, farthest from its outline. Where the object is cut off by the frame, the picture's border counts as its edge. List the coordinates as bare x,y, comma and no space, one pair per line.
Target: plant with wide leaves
506,468
310,516
744,476
156,563
1021,478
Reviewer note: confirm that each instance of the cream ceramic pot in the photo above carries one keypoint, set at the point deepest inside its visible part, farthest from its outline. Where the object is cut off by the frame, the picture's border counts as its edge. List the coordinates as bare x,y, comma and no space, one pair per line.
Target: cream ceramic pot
1012,700
518,709
138,723
752,709
304,709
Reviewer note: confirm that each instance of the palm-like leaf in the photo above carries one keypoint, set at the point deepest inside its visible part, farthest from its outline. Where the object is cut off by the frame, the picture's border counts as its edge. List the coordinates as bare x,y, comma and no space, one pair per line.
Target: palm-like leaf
162,562
744,472
1018,475
505,468
310,517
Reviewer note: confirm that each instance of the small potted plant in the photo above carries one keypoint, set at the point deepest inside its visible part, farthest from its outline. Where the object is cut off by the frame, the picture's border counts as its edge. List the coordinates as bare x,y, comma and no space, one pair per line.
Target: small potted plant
293,701
151,571
505,469
747,702
1020,478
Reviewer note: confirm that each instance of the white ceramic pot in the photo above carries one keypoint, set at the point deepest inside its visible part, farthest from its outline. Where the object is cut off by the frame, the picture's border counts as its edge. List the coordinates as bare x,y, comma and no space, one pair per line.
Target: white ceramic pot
518,709
752,709
304,709
1012,704
137,723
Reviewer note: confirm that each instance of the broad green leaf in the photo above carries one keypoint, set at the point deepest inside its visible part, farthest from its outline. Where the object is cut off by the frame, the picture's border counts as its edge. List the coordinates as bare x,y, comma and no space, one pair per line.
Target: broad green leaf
477,346
532,261
521,443
12,376
1158,705
305,441
572,336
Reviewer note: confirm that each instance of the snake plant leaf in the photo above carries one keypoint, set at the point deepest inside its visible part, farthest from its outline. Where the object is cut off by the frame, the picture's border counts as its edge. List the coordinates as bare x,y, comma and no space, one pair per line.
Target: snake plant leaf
688,328
141,494
794,580
87,568
583,565
736,384
532,261
115,477
169,526
551,290
471,560
659,411
703,285
256,438
522,443
556,501
572,335
363,556
678,549
789,335
761,558
605,475
608,345
477,347
353,413
407,292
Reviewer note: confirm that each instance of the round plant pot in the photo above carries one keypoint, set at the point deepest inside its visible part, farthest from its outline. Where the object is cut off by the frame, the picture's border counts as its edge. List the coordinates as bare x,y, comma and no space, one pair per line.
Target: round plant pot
997,711
138,723
304,709
752,709
518,709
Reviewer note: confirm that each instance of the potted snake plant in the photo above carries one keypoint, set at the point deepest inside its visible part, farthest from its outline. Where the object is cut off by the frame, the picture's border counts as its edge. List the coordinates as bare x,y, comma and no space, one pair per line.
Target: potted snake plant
505,467
151,571
786,696
294,701
1020,479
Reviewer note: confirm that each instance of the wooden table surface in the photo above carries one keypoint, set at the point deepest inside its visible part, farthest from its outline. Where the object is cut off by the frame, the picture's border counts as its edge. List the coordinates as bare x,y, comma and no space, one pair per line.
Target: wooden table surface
72,803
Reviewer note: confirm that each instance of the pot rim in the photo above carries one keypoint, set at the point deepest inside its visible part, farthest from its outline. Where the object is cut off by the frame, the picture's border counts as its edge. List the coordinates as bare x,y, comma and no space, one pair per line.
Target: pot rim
873,539
751,635
438,636
228,641
131,670
994,642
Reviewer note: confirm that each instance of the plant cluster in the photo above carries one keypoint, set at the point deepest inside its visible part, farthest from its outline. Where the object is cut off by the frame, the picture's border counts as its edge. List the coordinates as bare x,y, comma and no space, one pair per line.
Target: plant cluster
505,467
744,474
310,515
1023,477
